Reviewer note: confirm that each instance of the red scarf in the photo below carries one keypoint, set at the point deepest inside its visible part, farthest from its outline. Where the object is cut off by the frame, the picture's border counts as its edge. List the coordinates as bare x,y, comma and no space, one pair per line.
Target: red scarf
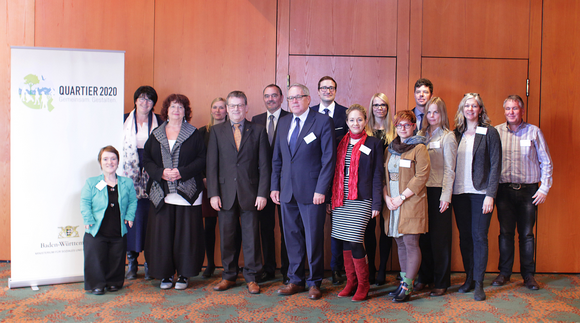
338,185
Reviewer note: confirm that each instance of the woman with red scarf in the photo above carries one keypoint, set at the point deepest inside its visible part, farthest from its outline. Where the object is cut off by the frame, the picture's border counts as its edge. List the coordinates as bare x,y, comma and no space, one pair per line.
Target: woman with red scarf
356,197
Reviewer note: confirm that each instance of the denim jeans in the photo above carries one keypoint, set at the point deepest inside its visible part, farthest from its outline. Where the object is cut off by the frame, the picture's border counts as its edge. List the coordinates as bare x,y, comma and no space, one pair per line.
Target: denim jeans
473,227
515,209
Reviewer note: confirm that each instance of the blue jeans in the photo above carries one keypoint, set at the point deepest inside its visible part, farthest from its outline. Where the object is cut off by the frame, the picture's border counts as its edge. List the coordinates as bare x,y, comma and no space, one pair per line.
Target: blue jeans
473,227
515,209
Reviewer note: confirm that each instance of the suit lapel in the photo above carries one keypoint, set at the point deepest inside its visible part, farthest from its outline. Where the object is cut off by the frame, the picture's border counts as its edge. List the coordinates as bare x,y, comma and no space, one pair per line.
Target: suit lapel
248,128
476,142
283,128
306,128
228,133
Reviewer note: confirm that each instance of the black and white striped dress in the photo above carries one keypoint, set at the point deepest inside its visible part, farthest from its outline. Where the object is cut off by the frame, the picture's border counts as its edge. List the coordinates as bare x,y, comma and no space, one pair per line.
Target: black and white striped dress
350,220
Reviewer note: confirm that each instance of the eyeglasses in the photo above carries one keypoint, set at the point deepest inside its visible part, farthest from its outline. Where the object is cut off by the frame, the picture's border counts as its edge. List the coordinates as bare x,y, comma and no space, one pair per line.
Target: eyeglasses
145,100
400,126
380,105
238,106
327,88
298,97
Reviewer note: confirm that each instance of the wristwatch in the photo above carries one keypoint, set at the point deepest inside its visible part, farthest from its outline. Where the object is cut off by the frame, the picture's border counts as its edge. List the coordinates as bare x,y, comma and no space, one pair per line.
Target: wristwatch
403,197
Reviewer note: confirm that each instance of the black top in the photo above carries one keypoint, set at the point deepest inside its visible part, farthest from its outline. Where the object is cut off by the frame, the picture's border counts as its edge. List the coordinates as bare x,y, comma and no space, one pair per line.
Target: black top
110,227
380,134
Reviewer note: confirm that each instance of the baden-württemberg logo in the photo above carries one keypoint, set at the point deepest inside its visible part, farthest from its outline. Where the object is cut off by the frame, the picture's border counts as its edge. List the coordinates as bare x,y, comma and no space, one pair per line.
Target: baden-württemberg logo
68,232
36,92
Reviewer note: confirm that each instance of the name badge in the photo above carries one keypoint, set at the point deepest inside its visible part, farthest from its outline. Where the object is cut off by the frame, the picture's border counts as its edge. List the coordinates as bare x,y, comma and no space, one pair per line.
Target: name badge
481,130
435,144
366,150
310,138
405,163
525,143
100,185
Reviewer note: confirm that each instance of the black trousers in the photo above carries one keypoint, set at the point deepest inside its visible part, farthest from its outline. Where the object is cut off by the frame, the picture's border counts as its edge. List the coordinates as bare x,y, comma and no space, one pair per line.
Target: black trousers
515,208
268,235
175,241
436,244
104,261
229,220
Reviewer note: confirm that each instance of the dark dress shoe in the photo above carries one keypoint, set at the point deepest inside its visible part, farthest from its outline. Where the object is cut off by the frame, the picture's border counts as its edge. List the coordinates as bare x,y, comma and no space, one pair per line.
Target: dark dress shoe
478,293
381,278
437,291
336,277
396,291
253,288
113,288
224,285
314,292
531,283
265,276
285,279
290,289
208,271
420,286
500,280
404,294
98,291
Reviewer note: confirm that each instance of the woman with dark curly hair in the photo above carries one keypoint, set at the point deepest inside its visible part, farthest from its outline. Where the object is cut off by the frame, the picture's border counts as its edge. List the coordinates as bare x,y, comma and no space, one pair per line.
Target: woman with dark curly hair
175,161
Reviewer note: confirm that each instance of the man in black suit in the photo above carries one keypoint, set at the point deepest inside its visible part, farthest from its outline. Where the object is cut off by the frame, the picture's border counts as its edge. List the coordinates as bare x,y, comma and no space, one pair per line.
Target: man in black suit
302,169
327,92
273,101
238,173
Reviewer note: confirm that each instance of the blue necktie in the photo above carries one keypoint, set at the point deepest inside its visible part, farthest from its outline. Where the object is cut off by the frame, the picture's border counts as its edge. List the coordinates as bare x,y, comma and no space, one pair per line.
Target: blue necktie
420,120
327,112
294,136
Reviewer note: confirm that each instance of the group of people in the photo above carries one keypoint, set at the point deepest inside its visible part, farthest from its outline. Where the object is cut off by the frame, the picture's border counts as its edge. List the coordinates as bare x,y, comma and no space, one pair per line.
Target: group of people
358,165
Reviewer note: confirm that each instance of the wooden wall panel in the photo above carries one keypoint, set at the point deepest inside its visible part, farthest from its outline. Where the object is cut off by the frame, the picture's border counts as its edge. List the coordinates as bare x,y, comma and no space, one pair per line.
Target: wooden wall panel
357,78
474,28
107,24
205,49
343,27
558,247
494,80
17,29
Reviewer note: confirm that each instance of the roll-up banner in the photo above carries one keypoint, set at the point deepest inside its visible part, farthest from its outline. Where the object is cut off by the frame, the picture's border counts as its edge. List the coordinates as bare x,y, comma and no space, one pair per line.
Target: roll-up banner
65,104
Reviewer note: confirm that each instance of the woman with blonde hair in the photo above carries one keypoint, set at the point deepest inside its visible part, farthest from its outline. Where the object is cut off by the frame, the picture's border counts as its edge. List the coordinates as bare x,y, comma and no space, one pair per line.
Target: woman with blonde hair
436,244
477,173
380,126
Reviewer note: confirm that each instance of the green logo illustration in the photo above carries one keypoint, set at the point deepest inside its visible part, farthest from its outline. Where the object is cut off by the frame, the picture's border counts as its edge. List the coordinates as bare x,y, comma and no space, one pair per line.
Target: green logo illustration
37,93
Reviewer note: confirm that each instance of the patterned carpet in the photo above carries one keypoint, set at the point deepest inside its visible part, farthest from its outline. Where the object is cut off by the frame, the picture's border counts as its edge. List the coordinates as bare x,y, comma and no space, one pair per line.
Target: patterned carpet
143,301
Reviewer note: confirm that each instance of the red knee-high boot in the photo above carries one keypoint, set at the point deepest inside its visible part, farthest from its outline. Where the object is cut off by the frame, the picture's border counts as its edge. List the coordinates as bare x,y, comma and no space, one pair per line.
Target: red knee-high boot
351,281
362,273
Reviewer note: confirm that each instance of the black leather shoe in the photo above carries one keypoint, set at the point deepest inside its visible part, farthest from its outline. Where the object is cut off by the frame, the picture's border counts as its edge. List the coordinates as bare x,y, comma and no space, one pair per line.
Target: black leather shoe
420,286
404,294
531,283
98,291
285,279
478,293
396,291
468,286
208,271
336,277
500,280
113,288
265,276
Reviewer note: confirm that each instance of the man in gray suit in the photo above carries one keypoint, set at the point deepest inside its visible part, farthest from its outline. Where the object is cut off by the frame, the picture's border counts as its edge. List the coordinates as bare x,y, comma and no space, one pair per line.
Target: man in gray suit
238,175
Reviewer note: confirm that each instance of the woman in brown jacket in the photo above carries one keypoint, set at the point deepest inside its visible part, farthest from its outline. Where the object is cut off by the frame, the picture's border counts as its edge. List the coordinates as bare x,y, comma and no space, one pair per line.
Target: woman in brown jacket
407,169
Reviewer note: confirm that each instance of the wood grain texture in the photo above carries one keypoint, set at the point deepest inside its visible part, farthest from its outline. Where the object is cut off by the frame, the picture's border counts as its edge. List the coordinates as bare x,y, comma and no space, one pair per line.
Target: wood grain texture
494,80
17,30
535,62
206,49
558,247
472,28
357,78
343,27
109,25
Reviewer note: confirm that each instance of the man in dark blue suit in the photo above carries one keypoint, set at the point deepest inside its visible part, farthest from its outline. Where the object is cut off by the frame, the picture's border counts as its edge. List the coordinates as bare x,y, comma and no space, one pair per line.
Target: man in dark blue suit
273,101
302,169
327,92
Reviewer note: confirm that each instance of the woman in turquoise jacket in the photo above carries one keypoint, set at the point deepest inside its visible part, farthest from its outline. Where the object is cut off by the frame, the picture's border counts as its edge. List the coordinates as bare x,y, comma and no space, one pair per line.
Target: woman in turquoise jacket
108,204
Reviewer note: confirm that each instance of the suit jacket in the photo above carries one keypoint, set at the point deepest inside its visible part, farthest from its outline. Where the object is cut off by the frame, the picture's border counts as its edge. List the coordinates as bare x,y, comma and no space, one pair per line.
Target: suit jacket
245,173
339,119
94,203
261,120
486,166
371,173
311,168
413,213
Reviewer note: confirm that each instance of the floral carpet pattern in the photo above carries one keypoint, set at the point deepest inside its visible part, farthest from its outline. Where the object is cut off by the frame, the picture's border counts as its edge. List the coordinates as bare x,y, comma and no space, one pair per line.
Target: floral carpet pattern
558,300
